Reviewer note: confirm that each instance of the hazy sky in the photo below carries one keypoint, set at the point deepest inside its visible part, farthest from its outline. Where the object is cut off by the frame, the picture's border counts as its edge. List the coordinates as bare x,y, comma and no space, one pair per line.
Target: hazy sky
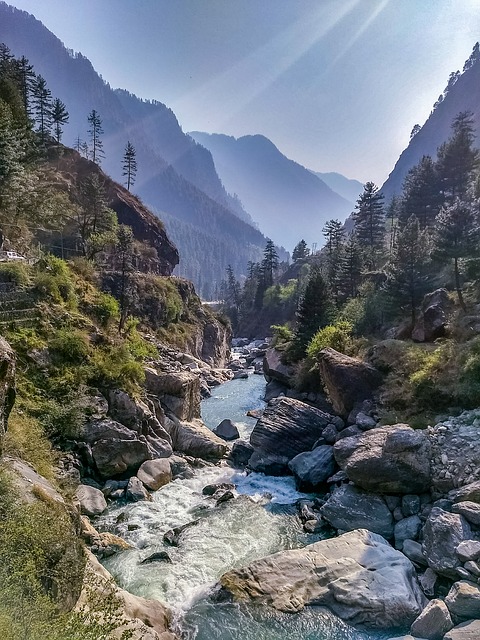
336,84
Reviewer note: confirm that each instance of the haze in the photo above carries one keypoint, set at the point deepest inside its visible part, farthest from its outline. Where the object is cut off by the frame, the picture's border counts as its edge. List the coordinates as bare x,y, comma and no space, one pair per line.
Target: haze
337,86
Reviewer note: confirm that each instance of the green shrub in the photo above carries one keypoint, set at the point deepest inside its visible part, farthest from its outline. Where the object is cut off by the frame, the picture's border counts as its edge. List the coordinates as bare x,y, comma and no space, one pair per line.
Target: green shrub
114,367
282,335
54,281
337,336
105,309
69,346
15,272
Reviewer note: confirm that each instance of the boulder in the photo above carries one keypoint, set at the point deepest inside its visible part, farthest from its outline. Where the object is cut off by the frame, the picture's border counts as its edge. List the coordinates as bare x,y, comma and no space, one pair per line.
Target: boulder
466,631
442,534
463,600
406,529
7,386
155,473
313,468
90,500
350,508
467,493
105,429
274,389
347,380
357,575
469,510
456,457
178,391
468,550
135,491
393,459
413,550
434,621
274,369
114,456
241,453
286,428
195,439
158,447
135,414
226,430
433,320
180,468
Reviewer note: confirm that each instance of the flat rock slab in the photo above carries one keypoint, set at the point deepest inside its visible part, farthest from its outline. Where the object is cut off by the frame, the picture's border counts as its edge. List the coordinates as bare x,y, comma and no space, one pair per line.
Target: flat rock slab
393,459
358,575
469,630
196,439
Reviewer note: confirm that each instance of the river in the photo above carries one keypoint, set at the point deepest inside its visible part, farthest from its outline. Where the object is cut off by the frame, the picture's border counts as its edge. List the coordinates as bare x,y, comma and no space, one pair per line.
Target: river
260,521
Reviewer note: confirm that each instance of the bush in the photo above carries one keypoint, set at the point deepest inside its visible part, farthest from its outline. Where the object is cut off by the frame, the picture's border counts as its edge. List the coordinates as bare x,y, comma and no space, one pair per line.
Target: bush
54,281
15,272
337,336
115,367
69,346
282,336
105,309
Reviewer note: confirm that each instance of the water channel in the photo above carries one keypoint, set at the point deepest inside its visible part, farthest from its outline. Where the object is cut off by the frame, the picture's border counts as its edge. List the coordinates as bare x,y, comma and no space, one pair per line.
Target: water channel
260,521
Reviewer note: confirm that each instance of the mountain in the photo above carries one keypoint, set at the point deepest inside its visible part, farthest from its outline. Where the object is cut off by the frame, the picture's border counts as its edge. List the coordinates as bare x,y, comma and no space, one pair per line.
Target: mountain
461,94
175,174
286,200
345,187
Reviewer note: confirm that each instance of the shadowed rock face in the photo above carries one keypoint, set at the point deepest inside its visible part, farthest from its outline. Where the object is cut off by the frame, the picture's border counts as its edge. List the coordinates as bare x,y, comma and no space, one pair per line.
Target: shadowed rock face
347,380
7,386
358,575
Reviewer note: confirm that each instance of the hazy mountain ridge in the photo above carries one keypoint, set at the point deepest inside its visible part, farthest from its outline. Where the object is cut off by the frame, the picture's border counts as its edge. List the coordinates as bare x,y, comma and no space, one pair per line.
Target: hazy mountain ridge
175,174
463,95
287,200
348,188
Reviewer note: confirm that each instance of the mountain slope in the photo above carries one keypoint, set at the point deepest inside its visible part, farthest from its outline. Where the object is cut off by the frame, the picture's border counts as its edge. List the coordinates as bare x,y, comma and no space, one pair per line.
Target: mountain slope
462,94
345,187
286,200
175,174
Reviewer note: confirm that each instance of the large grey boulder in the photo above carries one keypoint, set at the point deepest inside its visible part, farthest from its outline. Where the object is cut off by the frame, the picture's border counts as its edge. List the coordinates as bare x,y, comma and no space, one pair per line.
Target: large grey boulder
241,453
442,534
135,414
155,473
393,459
90,500
434,621
358,575
350,508
456,457
433,320
135,491
347,380
195,439
178,391
469,630
468,550
226,430
7,386
286,428
468,493
312,468
274,369
463,600
105,429
406,529
115,456
469,510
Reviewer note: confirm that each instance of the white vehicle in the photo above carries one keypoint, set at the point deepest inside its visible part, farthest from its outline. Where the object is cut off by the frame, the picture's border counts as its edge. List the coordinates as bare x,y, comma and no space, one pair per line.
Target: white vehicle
8,256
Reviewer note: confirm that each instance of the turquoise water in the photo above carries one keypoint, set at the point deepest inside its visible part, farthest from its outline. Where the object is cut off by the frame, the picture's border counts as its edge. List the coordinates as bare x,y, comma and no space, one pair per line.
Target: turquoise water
260,521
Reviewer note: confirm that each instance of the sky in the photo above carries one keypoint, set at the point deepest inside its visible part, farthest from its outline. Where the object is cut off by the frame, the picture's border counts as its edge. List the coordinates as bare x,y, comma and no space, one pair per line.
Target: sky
337,85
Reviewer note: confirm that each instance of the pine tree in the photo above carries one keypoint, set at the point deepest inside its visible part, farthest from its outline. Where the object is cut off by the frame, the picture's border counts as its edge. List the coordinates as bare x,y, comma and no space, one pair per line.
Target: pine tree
315,310
42,102
59,115
334,234
300,252
124,258
269,263
129,165
456,237
350,276
95,132
421,195
27,82
457,158
369,221
408,275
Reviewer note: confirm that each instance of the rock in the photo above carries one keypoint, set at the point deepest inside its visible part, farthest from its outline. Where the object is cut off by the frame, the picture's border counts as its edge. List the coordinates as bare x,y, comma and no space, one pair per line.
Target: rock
411,505
456,457
195,439
365,422
226,496
142,619
116,456
466,631
329,434
240,375
226,430
434,621
179,391
155,473
467,493
158,447
97,405
428,582
211,489
352,575
442,534
347,380
406,529
393,459
432,323
468,550
285,429
113,485
172,536
473,568
352,430
350,508
469,510
241,453
274,390
463,600
90,500
105,429
159,556
180,468
7,386
274,369
135,491
312,468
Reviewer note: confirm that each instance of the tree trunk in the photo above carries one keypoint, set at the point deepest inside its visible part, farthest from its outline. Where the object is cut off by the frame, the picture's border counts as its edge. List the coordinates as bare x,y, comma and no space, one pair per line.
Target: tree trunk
457,286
